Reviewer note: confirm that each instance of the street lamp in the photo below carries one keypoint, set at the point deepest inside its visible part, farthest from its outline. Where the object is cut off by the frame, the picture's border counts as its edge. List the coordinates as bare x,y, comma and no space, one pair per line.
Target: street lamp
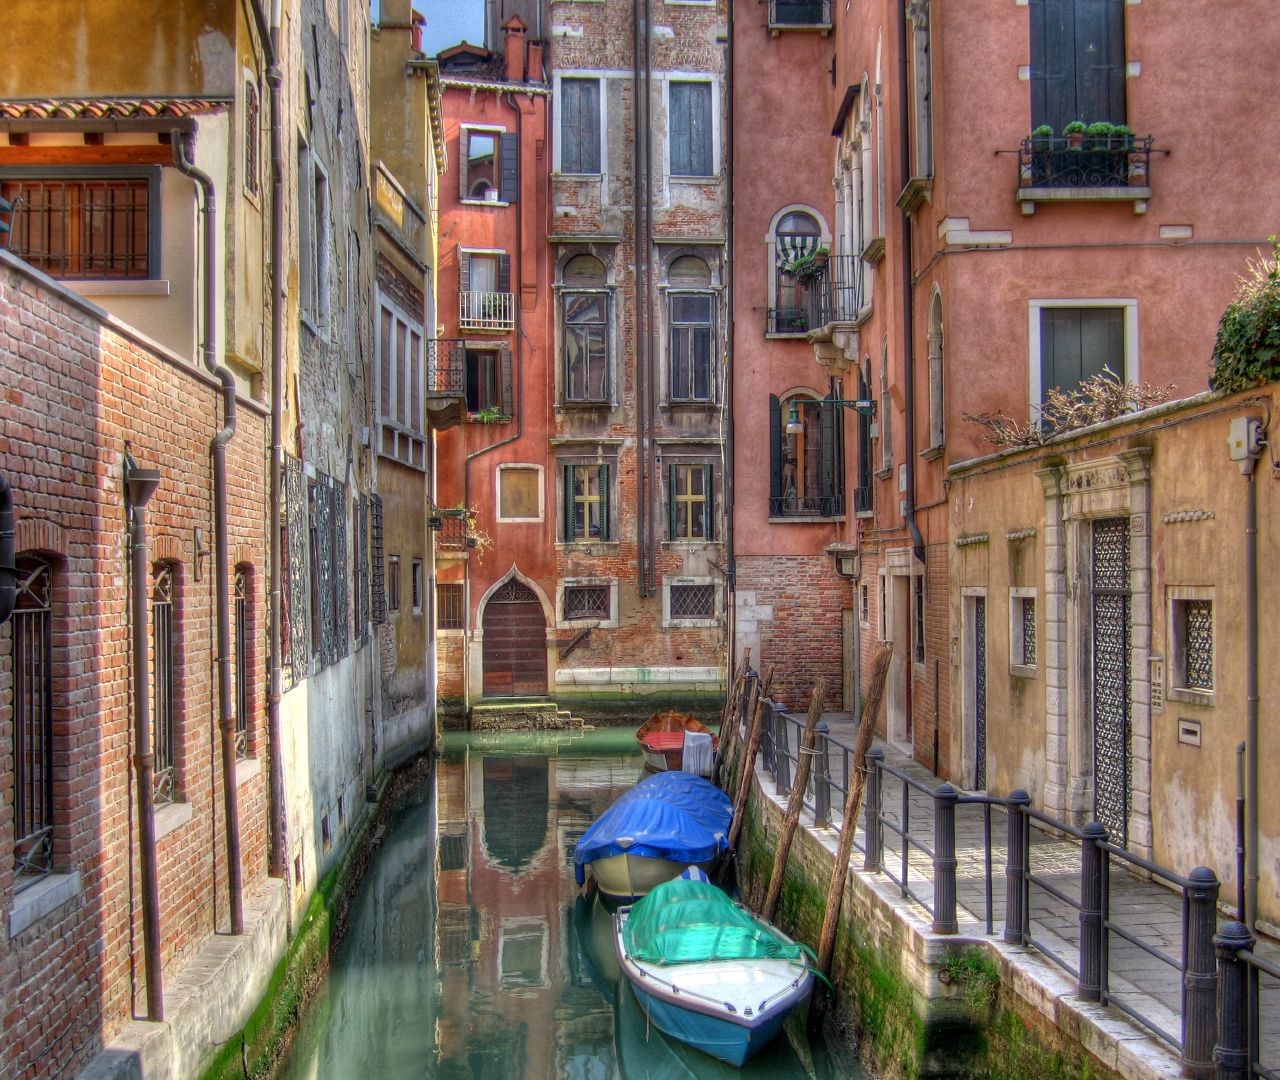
859,405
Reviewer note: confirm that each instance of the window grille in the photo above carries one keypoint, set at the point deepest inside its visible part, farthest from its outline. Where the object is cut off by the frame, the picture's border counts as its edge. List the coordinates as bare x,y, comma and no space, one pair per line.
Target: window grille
163,732
32,667
693,602
393,583
242,662
250,138
1028,631
918,643
378,598
449,609
586,602
1198,643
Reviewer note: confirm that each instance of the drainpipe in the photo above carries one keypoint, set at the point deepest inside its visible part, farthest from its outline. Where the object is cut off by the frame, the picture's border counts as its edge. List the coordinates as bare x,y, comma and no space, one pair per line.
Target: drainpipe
1251,690
731,567
908,286
221,544
141,484
8,562
639,185
651,512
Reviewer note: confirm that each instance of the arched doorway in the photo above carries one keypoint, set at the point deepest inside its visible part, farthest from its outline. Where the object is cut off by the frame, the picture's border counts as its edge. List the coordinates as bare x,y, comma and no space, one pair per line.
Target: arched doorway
515,643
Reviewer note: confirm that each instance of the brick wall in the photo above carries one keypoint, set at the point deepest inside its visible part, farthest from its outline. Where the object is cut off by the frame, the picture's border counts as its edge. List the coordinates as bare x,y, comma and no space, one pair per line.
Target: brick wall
80,390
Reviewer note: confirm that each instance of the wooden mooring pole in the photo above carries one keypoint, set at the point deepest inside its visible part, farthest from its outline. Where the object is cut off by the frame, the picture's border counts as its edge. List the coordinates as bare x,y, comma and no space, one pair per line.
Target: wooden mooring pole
796,801
728,717
754,736
852,804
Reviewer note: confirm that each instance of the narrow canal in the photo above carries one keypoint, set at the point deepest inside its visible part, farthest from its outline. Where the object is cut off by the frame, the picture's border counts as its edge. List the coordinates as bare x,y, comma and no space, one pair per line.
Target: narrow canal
470,953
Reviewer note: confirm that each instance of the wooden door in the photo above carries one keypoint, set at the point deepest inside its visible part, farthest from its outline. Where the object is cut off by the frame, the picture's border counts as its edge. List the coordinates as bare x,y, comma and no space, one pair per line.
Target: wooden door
515,643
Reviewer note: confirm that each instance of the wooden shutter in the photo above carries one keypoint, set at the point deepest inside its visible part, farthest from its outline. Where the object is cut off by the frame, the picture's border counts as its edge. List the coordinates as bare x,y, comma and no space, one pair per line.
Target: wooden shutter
464,272
708,512
378,598
827,424
509,166
566,508
464,138
681,135
1077,62
506,385
1077,343
604,503
775,449
504,273
672,489
700,129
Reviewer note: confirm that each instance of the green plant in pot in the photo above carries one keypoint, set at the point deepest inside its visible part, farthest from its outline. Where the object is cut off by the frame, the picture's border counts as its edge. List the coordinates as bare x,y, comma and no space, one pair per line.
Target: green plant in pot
1098,135
1074,132
1042,138
1122,137
809,265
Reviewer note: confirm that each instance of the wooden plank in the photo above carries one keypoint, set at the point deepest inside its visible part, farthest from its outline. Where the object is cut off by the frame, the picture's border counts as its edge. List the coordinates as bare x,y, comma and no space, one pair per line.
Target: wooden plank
153,154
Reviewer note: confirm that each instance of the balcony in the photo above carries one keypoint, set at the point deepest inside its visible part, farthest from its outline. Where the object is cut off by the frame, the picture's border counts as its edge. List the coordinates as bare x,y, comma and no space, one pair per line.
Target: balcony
799,15
829,296
493,311
806,507
452,536
446,382
1109,168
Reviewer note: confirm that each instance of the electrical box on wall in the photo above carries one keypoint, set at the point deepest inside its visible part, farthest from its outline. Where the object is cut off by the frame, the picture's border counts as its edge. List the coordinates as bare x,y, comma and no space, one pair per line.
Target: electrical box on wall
1189,732
1157,684
1244,441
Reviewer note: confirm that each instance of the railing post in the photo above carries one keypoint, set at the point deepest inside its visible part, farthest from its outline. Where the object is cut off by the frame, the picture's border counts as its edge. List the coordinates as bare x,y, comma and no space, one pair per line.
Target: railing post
1231,1054
944,860
782,778
1017,862
822,776
766,744
871,813
1092,858
1200,982
748,685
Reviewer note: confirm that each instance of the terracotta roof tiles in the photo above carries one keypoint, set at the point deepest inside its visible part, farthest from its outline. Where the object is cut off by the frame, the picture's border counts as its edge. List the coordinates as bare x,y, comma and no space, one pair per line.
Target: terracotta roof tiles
108,108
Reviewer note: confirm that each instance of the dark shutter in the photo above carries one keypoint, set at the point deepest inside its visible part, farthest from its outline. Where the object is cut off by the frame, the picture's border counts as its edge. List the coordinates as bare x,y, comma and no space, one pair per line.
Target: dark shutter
708,513
464,272
1077,62
1078,343
567,506
464,137
509,177
504,273
700,129
828,488
506,385
775,452
605,533
671,502
681,135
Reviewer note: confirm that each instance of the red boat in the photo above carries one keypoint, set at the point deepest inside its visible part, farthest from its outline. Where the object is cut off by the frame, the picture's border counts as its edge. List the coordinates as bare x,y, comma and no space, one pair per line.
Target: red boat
662,741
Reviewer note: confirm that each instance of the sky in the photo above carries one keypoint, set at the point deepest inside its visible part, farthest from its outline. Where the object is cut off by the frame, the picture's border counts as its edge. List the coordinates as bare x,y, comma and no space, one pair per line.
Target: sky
451,21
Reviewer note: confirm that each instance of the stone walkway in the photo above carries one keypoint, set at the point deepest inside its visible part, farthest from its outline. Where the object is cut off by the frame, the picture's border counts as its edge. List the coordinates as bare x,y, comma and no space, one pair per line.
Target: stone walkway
1141,907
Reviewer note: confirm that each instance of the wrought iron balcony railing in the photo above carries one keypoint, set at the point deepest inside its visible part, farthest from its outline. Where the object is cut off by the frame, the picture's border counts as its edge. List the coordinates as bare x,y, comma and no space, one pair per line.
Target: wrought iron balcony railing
1110,161
806,13
446,367
830,294
806,506
487,310
452,535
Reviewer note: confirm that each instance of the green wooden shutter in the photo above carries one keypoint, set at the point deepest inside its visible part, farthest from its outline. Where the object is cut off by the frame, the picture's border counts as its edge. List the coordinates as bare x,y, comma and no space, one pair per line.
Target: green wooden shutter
681,136
827,423
504,273
509,168
1099,60
709,517
672,489
605,533
567,504
775,452
506,385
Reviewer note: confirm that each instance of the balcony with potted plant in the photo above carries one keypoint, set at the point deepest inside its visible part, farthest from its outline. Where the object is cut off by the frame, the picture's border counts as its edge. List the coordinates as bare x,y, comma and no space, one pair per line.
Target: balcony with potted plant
1099,161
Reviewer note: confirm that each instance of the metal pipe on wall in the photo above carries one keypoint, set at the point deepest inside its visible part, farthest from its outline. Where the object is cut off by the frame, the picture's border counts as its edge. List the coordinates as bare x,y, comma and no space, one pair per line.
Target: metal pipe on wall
221,542
8,560
1251,694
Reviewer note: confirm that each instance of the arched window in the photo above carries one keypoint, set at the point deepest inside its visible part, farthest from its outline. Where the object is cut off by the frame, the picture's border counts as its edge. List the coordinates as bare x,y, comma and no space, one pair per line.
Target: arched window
32,703
691,321
806,444
937,413
796,238
164,676
885,411
243,601
584,307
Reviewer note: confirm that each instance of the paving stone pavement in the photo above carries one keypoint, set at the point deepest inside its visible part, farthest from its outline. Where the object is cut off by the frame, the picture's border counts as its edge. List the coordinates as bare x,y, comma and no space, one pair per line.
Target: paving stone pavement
1140,906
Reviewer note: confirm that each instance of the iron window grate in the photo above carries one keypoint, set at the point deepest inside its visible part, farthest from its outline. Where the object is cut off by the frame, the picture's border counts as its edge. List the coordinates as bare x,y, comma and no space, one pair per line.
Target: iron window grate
1198,644
449,615
1029,631
693,601
586,602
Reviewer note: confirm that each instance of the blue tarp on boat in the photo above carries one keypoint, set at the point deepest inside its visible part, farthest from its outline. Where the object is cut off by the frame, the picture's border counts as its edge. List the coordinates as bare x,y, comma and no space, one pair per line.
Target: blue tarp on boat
671,815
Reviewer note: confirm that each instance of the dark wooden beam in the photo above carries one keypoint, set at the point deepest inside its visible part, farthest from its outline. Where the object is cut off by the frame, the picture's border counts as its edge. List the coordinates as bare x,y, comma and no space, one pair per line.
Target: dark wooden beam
152,154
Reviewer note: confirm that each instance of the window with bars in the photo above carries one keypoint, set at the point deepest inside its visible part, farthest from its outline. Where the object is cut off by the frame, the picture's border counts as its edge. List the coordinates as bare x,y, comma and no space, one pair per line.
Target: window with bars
242,608
806,458
586,602
917,642
450,614
586,503
377,586
32,718
85,226
251,172
689,502
692,602
864,605
1022,629
164,673
1192,645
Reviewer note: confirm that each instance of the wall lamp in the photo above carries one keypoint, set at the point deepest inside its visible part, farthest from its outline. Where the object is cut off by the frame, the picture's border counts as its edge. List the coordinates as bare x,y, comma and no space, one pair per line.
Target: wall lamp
848,561
860,405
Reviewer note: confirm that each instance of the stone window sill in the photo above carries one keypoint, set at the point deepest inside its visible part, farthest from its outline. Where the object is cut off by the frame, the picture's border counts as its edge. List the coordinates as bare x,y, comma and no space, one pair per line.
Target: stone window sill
246,770
805,519
1023,671
933,453
38,900
120,287
1191,697
171,817
884,474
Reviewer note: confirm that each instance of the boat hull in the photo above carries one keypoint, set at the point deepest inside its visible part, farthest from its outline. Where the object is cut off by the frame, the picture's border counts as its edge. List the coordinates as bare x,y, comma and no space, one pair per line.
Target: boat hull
723,1039
628,877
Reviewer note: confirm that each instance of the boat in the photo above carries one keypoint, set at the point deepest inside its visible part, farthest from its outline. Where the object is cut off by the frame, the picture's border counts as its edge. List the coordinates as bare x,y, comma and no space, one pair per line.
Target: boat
707,972
651,833
663,739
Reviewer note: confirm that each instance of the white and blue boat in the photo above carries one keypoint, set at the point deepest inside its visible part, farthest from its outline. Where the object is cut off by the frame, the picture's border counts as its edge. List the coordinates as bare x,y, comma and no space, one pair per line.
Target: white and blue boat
651,833
709,973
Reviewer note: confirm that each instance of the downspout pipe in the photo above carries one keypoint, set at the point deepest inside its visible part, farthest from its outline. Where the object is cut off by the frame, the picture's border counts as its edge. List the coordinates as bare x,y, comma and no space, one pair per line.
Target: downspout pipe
221,543
731,565
141,484
639,186
8,559
1251,692
908,287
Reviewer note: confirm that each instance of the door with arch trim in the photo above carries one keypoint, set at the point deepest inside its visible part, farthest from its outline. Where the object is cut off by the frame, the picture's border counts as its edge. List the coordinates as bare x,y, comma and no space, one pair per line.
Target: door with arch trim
515,643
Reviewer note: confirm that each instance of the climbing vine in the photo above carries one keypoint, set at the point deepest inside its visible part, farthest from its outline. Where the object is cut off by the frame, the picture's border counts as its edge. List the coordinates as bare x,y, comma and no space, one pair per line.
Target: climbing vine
1247,350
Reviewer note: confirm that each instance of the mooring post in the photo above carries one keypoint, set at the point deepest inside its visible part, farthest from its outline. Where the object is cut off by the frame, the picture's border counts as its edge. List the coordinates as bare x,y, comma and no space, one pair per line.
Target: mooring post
1016,863
1231,1054
871,820
944,860
782,763
1092,857
821,776
1200,983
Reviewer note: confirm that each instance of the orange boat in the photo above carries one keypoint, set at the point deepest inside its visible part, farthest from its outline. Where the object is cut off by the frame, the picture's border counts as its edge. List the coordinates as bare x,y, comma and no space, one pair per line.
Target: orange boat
662,741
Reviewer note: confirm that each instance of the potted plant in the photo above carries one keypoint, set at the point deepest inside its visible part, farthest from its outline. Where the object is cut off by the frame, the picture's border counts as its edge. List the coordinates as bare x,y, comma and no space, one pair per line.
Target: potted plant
1074,132
1099,135
1122,136
1042,138
810,265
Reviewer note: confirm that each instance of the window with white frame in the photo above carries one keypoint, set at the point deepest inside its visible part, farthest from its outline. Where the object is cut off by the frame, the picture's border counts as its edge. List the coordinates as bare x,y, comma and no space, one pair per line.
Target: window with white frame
314,241
584,331
519,493
488,166
1075,340
586,602
691,323
689,502
691,145
1022,630
579,102
796,237
690,601
1191,647
401,405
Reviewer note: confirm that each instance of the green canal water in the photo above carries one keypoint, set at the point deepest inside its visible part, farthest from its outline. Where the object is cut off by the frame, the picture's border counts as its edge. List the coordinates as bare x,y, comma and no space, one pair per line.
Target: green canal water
470,952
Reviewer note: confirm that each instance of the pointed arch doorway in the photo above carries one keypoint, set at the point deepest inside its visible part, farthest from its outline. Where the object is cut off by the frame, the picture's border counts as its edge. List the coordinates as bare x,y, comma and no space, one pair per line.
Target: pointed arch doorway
515,643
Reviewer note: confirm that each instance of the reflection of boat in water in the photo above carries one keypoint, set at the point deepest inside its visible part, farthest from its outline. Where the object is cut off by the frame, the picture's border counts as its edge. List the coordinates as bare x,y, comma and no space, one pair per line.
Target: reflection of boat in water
593,927
652,832
663,743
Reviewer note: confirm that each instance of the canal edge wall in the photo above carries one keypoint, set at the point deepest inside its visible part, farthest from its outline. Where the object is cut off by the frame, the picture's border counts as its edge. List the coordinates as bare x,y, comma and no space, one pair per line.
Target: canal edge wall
920,1004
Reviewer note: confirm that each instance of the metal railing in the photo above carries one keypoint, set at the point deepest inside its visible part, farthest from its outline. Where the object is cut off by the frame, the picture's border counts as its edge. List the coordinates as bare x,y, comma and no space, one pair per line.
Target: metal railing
1245,980
909,836
1110,161
806,506
452,534
837,291
446,367
799,12
487,310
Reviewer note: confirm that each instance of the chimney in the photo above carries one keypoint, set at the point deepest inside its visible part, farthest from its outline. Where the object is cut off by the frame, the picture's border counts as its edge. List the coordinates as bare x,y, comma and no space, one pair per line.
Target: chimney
535,62
514,30
416,32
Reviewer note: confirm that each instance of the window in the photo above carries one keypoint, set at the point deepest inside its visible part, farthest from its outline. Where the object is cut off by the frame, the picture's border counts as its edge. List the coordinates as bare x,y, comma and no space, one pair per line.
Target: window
691,370
796,236
86,226
691,602
585,331
864,605
917,637
164,672
360,568
806,455
689,502
330,571
1073,341
393,583
885,413
32,718
484,291
691,144
400,386
799,12
586,502
378,581
490,166
1077,62
242,606
936,405
1191,644
489,381
519,493
586,602
415,585
864,496
251,171
922,87
313,239
449,609
1022,631
580,126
